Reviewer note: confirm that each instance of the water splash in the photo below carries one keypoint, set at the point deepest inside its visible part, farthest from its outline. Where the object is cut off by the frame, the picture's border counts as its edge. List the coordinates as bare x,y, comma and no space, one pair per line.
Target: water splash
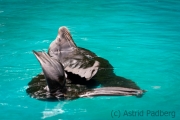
54,111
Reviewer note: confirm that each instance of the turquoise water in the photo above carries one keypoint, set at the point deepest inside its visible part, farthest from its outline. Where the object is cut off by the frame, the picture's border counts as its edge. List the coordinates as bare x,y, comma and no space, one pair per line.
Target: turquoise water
140,38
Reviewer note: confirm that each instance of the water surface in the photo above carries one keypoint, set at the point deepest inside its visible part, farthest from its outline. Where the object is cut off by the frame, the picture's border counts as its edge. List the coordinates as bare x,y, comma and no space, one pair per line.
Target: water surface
140,38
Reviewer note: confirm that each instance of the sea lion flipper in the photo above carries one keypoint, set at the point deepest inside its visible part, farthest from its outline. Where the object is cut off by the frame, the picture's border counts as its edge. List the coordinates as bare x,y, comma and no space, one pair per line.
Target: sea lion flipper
86,72
113,91
62,45
53,71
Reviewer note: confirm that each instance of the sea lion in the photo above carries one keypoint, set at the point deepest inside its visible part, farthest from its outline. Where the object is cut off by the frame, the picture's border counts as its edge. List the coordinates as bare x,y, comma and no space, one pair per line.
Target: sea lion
71,72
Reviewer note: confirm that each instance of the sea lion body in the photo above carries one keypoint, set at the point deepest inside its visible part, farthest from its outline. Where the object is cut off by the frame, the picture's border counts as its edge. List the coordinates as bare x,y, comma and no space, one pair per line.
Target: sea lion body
84,70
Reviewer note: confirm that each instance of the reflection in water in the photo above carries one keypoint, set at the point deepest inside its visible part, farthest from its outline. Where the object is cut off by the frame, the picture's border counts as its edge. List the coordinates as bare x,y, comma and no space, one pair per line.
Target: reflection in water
50,112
